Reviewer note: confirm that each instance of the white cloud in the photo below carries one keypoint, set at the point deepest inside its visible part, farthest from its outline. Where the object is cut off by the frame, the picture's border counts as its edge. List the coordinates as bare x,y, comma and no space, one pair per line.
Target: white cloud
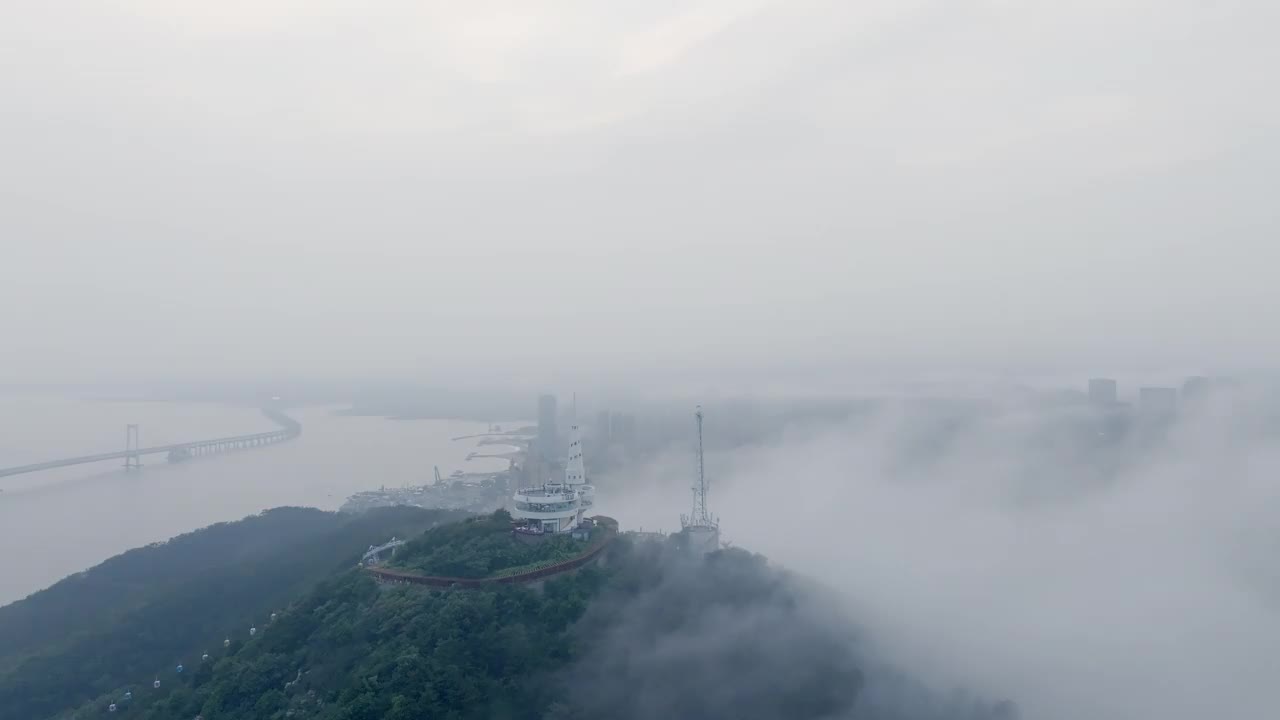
902,181
998,550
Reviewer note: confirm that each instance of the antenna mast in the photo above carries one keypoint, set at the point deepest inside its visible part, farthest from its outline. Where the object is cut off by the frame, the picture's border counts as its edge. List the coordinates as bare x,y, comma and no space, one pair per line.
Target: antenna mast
699,517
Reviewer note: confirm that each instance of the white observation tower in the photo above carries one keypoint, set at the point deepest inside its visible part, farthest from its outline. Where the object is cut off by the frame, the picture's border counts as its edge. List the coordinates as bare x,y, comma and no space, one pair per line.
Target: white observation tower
556,507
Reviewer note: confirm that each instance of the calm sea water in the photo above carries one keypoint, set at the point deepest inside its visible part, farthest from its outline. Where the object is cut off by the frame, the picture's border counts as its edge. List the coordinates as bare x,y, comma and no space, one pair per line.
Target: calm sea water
59,522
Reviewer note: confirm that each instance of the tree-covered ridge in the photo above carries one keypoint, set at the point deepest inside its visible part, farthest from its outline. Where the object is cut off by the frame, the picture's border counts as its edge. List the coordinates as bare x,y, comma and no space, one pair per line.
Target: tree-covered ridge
482,547
143,612
97,597
354,650
648,634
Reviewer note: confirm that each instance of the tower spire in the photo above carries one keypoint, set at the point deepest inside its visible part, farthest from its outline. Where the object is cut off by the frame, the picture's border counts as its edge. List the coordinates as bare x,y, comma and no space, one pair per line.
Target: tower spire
700,490
701,530
700,517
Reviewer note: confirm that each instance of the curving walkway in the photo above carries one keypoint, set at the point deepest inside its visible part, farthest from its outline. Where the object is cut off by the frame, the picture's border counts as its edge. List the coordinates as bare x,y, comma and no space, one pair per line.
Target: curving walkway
400,577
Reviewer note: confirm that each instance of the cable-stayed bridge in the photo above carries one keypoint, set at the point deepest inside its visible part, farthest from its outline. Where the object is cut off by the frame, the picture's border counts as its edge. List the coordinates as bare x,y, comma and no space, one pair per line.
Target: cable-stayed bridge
132,454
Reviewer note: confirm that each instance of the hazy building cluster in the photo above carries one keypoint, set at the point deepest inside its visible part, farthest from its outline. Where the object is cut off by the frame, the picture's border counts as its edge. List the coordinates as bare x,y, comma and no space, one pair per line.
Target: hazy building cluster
1155,401
610,437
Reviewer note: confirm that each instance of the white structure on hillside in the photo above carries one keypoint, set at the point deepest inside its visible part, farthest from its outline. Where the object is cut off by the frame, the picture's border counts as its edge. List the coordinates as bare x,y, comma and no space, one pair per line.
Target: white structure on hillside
556,507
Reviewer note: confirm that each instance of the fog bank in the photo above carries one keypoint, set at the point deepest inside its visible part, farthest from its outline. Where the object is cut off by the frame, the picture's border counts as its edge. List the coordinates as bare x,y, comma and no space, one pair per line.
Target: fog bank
1013,552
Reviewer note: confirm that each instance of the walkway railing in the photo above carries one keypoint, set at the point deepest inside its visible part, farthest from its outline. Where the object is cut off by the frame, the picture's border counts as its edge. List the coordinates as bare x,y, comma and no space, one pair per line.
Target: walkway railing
400,577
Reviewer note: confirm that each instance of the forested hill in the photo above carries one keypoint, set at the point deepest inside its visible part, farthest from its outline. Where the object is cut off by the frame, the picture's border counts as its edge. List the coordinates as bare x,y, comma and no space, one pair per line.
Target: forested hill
646,633
140,612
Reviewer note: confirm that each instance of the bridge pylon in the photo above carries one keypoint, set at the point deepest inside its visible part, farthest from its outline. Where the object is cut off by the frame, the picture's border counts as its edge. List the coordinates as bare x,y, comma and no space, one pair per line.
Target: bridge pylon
132,458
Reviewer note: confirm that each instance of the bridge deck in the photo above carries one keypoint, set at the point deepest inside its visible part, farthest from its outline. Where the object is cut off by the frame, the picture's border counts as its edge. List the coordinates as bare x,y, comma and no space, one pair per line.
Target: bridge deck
291,429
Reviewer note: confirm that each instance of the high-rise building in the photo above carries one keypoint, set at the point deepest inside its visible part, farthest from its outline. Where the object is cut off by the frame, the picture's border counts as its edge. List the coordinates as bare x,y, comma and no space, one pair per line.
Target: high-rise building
1157,402
1195,388
601,429
1102,392
622,428
548,442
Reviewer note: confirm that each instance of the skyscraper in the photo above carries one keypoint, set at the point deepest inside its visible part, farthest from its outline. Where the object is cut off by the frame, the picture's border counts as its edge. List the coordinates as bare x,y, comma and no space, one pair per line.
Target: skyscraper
548,437
601,429
1157,403
1195,388
1102,392
622,428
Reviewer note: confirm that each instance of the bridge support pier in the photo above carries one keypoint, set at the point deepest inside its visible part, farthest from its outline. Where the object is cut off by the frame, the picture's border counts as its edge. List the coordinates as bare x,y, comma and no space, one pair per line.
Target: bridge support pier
132,458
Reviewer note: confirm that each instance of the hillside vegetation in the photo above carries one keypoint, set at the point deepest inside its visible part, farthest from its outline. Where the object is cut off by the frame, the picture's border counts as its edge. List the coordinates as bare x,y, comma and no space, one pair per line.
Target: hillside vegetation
354,651
647,633
482,547
147,609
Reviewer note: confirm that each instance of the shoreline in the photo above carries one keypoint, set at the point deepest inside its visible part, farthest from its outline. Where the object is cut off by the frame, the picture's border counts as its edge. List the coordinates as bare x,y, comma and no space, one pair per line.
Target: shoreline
114,511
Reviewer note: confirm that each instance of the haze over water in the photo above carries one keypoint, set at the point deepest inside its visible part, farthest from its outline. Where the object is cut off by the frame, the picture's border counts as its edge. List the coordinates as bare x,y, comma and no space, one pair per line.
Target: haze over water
63,521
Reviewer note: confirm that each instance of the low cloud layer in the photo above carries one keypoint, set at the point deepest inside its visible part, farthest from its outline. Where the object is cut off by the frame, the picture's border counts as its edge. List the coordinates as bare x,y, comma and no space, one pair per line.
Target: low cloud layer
730,637
1015,551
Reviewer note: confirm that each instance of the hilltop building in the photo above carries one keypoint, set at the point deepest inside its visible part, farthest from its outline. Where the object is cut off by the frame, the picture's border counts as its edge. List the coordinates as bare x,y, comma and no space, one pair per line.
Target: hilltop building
559,506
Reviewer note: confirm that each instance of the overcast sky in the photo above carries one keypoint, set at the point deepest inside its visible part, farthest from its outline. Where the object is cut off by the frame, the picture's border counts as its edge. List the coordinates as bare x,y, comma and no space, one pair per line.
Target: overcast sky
339,187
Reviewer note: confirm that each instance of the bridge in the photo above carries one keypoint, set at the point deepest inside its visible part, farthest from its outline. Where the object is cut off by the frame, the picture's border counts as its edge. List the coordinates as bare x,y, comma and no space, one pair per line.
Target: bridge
132,454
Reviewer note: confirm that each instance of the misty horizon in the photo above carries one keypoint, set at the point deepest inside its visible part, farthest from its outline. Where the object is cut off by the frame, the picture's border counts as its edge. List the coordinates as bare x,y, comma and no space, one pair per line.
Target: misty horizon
896,250
568,193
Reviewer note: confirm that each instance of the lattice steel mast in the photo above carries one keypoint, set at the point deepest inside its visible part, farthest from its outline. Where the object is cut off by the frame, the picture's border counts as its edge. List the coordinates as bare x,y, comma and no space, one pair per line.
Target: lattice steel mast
700,517
700,491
